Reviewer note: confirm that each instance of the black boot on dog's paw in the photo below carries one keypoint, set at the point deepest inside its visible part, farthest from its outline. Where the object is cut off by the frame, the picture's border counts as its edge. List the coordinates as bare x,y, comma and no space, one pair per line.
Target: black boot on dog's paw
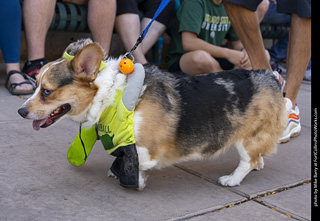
126,166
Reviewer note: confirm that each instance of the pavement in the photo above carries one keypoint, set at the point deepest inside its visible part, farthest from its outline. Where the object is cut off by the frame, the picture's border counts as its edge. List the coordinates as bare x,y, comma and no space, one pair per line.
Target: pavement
38,183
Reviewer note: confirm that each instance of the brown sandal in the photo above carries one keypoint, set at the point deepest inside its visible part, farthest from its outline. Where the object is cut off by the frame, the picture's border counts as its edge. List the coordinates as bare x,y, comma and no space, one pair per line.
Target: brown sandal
12,86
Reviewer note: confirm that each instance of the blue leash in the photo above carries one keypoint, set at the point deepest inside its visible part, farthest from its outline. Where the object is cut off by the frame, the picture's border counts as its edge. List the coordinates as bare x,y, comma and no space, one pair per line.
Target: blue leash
143,34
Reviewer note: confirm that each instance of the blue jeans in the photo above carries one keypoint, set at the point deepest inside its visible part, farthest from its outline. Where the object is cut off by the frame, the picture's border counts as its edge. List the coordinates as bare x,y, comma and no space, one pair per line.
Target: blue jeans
10,30
279,50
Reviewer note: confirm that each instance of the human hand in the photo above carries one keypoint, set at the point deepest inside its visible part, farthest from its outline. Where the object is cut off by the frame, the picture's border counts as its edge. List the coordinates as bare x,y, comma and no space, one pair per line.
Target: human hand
239,59
235,57
245,61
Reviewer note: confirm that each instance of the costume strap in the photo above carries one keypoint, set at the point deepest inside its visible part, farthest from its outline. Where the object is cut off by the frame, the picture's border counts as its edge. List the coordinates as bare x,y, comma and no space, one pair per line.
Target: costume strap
84,147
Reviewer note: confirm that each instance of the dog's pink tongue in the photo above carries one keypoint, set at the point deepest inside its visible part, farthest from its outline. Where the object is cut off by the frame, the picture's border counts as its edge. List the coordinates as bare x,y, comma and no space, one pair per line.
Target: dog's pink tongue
38,123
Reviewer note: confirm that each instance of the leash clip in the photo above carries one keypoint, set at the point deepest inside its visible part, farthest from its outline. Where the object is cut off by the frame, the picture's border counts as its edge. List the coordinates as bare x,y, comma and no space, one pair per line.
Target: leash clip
128,56
139,40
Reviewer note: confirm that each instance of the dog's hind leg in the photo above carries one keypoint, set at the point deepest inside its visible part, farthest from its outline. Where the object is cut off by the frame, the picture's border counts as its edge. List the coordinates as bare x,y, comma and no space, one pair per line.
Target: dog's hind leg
145,163
260,163
241,171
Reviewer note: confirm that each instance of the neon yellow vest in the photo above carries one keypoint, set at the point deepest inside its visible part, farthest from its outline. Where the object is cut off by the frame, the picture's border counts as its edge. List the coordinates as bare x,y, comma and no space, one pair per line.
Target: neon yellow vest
115,129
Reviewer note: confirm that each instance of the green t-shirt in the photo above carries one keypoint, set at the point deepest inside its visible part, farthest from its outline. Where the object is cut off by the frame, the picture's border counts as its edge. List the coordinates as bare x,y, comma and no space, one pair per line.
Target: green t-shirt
204,18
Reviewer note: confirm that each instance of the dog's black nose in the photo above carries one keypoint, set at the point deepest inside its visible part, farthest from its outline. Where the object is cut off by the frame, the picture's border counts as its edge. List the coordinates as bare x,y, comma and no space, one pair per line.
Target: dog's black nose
23,112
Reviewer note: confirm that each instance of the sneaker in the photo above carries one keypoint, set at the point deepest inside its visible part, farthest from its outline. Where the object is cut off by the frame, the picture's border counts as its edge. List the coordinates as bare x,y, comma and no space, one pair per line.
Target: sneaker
276,65
280,79
32,68
293,127
307,75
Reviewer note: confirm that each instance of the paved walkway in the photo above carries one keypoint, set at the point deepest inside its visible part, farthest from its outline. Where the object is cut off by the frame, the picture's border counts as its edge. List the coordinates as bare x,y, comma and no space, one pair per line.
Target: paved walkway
38,183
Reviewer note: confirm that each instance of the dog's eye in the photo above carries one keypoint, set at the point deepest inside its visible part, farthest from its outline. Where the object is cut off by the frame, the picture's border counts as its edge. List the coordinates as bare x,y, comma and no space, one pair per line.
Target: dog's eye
46,92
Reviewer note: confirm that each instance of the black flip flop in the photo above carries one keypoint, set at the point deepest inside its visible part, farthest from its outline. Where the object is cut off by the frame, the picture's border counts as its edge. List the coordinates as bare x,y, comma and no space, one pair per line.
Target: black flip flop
12,86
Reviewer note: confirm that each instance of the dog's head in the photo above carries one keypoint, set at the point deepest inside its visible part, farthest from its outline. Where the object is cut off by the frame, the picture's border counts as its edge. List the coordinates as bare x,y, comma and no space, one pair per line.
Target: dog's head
64,88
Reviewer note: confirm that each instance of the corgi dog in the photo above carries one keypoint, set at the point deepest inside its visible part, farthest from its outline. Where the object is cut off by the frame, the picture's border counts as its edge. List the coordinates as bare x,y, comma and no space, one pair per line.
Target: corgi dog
177,117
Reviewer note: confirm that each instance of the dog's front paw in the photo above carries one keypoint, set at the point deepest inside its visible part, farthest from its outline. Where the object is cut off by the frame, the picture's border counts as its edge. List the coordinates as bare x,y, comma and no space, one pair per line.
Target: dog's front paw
229,180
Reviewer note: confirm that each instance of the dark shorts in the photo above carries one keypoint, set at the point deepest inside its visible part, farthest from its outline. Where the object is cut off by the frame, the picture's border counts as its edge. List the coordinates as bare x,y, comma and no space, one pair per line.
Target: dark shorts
148,8
224,64
248,4
300,7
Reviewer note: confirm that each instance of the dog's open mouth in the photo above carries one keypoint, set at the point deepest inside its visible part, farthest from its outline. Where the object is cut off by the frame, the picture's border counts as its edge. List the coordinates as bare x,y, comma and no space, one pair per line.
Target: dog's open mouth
53,117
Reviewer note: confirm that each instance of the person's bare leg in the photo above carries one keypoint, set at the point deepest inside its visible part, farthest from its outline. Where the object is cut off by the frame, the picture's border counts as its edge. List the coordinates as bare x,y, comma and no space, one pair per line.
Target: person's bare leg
154,33
36,25
128,28
198,62
246,25
298,55
262,9
101,17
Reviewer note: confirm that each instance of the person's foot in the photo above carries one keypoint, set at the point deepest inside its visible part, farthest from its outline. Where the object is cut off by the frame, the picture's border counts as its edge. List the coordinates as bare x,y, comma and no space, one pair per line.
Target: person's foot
17,79
18,84
293,127
32,68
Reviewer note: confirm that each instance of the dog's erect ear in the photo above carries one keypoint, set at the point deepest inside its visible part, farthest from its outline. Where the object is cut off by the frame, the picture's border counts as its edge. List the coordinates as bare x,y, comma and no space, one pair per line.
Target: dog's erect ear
87,62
